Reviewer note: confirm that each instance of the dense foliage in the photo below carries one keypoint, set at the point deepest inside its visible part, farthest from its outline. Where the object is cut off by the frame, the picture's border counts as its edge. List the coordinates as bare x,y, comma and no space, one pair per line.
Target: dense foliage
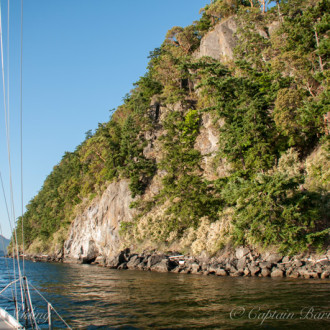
271,98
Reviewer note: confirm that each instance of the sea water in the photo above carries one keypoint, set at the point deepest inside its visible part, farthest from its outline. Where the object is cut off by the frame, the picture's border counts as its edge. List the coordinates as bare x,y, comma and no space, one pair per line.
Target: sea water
91,297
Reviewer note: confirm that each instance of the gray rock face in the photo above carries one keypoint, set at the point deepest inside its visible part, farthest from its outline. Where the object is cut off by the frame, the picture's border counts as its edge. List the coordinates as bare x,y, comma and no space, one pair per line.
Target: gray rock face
122,266
163,266
91,253
325,274
297,263
96,231
133,262
229,265
241,263
247,272
265,264
274,258
117,260
221,272
237,273
195,268
241,252
155,259
100,260
308,274
294,274
286,259
220,42
207,140
213,269
254,270
277,273
265,272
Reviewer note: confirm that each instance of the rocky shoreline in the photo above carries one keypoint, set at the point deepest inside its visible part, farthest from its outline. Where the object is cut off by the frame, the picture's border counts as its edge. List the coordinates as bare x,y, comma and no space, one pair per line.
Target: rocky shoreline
239,262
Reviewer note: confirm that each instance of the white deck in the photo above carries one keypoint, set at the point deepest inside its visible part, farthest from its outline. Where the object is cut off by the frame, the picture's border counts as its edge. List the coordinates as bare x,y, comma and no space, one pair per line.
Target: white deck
8,322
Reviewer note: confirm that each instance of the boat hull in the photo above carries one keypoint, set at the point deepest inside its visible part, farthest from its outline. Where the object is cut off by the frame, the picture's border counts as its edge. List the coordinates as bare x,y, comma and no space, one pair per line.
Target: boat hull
8,322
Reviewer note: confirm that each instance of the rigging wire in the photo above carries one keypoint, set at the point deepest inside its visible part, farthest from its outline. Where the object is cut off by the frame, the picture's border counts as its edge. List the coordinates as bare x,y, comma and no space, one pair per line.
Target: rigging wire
8,117
24,284
7,120
21,134
6,262
49,304
2,239
11,230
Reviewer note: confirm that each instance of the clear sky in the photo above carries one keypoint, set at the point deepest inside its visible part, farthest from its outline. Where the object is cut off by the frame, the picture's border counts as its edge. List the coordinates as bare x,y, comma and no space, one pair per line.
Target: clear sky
80,57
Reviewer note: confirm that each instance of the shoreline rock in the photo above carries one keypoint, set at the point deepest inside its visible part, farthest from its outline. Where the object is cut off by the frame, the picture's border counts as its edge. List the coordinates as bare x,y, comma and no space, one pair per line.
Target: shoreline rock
240,262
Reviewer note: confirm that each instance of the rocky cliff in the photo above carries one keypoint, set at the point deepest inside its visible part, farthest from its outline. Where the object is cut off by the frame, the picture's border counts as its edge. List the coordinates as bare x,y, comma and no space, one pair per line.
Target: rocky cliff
222,143
95,232
220,42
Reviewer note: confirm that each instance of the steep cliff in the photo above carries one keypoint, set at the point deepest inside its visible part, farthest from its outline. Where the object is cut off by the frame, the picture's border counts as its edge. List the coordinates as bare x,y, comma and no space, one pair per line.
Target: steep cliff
220,42
96,231
223,142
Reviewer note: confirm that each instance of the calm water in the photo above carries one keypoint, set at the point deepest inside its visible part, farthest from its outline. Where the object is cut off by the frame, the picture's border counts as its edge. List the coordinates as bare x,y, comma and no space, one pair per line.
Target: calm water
89,297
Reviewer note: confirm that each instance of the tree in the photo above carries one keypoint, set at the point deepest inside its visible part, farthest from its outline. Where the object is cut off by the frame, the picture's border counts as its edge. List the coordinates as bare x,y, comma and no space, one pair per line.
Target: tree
219,9
248,132
262,5
270,210
286,115
191,196
187,38
134,164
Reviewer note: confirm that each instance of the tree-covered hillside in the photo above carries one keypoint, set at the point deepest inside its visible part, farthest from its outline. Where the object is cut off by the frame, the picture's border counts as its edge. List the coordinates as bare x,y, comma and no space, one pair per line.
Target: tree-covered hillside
270,105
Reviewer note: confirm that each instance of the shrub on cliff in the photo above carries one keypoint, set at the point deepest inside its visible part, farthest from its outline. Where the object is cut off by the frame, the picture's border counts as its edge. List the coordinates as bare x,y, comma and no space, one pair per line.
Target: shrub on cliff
271,210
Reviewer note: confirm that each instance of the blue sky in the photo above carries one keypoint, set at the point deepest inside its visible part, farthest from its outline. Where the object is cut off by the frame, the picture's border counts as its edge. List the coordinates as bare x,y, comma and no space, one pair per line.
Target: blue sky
80,57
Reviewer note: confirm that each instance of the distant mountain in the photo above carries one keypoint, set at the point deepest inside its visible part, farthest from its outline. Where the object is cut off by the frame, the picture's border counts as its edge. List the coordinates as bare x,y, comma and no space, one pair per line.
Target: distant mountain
4,242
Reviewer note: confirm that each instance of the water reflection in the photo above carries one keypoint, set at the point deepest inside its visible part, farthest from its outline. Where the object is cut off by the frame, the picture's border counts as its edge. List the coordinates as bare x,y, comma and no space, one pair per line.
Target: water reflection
89,297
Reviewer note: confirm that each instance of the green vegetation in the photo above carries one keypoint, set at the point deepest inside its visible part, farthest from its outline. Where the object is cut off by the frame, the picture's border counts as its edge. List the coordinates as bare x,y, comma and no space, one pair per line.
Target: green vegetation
270,210
271,99
192,196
